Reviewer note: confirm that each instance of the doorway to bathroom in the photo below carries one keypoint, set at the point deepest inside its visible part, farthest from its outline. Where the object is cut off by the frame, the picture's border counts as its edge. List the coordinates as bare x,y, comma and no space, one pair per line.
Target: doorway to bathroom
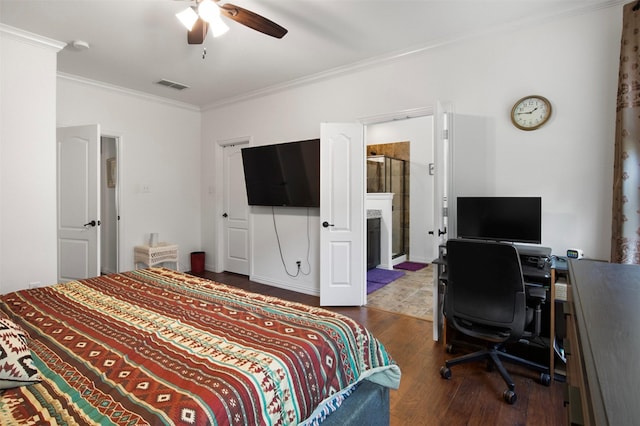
399,153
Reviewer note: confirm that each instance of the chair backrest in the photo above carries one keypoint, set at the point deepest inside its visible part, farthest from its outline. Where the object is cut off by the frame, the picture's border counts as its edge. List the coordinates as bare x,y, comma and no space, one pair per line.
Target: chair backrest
485,289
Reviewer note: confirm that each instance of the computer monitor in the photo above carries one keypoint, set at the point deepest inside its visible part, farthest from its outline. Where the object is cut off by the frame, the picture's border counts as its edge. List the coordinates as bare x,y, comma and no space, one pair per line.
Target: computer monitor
509,219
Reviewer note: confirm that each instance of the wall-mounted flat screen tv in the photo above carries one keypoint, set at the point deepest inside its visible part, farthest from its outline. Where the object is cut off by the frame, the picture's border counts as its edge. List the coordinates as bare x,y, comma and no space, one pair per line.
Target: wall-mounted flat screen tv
284,174
510,219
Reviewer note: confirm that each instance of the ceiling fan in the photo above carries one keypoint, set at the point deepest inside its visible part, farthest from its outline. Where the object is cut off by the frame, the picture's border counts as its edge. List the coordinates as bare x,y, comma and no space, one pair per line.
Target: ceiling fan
207,15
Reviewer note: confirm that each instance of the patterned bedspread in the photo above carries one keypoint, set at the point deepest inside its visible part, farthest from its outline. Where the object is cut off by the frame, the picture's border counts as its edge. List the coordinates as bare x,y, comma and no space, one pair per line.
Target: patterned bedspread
155,346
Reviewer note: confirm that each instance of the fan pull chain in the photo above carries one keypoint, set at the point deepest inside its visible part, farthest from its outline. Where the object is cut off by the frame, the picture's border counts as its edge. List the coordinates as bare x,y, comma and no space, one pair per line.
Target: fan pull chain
204,52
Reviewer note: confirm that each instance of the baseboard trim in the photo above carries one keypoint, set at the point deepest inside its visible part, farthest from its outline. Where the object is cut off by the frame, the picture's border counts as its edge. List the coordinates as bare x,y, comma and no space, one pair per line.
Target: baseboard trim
285,286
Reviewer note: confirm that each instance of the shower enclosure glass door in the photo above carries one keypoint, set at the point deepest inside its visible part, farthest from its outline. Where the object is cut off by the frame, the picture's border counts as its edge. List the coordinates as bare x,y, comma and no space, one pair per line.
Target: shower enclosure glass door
386,174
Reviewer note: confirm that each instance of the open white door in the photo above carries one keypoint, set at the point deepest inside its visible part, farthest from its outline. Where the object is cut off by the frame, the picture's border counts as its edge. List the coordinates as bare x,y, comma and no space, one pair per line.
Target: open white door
236,213
442,156
342,215
78,172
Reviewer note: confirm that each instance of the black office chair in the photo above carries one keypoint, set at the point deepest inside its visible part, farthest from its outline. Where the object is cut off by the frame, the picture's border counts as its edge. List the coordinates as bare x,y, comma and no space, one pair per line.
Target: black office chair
486,299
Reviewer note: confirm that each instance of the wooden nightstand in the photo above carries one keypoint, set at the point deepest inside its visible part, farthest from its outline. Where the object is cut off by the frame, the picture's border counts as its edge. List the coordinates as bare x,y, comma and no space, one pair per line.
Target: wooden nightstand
158,254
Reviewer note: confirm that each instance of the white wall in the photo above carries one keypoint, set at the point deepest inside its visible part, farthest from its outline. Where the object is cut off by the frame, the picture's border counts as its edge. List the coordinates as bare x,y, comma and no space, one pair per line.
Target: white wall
572,61
160,149
27,160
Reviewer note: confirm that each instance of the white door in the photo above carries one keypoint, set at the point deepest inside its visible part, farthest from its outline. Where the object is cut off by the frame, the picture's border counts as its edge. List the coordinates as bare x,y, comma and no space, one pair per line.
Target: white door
442,156
236,213
342,215
78,172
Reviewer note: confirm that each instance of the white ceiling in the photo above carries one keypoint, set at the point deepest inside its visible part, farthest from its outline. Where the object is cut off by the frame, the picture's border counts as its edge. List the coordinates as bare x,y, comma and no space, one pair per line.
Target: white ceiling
135,43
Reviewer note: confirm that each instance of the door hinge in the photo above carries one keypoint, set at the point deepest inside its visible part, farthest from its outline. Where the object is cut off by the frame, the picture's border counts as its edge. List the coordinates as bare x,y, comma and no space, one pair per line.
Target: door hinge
445,133
432,169
445,211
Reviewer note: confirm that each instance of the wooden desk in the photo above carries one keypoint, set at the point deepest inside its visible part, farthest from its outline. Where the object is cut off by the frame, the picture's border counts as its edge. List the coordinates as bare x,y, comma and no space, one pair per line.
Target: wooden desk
439,279
559,267
603,329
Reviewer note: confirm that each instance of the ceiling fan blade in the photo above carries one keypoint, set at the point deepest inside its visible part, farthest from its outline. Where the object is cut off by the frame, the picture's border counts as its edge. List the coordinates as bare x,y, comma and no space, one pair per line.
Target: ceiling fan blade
198,32
252,20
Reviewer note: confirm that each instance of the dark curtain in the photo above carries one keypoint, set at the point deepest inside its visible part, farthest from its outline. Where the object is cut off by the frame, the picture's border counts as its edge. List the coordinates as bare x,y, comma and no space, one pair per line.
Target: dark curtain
625,236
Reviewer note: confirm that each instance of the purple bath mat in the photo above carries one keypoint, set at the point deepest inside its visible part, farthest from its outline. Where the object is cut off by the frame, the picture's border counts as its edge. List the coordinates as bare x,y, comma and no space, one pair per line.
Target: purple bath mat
371,286
378,278
411,266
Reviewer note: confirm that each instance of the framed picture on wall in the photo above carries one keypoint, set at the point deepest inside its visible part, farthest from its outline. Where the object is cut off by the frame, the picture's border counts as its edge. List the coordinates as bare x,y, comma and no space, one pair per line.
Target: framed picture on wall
111,172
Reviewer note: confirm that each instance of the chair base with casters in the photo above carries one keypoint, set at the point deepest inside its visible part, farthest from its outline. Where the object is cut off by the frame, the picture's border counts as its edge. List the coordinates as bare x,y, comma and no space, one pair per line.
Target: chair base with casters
494,355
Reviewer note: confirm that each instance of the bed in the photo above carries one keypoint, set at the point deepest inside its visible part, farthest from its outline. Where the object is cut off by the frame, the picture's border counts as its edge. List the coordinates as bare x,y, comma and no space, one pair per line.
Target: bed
155,346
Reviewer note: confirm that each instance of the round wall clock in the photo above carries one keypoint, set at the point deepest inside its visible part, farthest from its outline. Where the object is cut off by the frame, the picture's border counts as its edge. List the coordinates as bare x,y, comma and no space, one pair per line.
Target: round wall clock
530,112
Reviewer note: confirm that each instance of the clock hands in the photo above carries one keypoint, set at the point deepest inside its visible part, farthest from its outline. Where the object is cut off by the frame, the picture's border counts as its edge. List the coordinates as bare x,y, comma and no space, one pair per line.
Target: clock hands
528,112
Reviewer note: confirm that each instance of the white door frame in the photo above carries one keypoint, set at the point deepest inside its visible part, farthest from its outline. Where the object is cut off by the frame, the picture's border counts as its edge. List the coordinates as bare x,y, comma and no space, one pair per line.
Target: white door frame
118,199
443,193
396,116
118,137
414,113
443,133
235,223
219,202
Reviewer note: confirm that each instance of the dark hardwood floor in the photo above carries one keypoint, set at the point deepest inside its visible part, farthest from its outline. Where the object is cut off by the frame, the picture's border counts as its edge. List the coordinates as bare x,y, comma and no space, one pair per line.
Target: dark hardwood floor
472,396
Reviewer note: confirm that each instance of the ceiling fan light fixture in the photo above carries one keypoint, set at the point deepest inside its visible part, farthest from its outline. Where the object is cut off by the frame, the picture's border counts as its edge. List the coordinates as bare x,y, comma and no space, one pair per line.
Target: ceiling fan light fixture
208,11
218,27
188,17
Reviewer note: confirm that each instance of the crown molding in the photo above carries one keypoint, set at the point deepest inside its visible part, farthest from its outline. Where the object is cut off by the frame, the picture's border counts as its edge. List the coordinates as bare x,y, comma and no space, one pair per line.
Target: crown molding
127,92
394,116
31,38
416,50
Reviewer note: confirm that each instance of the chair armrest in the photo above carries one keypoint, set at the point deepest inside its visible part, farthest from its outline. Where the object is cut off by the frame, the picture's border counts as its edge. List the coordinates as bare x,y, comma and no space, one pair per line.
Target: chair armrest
536,294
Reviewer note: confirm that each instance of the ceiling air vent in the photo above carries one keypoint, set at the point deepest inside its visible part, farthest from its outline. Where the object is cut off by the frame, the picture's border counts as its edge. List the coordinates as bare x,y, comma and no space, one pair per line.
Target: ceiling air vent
172,84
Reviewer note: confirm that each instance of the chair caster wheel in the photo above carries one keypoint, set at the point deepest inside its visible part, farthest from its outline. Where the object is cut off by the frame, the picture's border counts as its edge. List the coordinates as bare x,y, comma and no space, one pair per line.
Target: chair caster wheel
509,396
445,372
545,379
449,348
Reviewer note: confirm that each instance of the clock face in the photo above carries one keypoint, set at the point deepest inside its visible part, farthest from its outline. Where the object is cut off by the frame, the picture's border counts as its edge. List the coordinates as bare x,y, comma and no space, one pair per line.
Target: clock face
530,112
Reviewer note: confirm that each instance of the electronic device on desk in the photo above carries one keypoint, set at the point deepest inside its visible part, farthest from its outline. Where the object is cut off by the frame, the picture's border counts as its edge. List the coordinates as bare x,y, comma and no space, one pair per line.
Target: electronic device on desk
536,268
540,261
559,263
575,254
508,219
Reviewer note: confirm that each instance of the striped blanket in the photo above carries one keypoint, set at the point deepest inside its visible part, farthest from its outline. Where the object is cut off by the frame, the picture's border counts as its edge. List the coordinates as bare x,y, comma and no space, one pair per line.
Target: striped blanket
155,346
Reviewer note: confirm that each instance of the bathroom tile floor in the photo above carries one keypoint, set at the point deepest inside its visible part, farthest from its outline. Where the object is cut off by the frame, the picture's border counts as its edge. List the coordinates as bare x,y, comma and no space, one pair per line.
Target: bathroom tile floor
409,295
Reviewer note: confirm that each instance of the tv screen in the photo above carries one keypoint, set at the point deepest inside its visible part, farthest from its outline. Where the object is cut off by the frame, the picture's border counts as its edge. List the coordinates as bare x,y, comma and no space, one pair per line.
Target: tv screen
285,174
510,219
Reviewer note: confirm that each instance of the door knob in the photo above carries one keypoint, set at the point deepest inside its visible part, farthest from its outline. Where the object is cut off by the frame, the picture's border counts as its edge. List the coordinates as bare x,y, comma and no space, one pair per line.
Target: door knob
326,224
92,223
